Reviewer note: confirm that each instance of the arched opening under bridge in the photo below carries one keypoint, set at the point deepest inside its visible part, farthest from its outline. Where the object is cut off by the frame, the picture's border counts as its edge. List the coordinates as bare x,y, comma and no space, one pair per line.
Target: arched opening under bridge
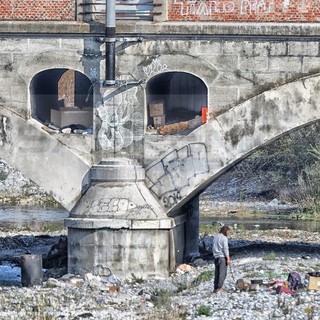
174,97
62,98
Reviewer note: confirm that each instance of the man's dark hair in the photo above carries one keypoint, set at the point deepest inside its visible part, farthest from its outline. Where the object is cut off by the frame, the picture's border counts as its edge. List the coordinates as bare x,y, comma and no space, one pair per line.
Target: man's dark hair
224,230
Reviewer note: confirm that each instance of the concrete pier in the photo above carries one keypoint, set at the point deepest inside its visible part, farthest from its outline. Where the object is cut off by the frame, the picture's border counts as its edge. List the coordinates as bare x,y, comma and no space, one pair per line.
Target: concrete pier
118,225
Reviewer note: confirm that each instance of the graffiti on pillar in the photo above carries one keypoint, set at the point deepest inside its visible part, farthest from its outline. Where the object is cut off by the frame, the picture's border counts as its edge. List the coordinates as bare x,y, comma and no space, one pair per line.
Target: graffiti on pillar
3,130
155,67
112,205
121,122
176,174
244,10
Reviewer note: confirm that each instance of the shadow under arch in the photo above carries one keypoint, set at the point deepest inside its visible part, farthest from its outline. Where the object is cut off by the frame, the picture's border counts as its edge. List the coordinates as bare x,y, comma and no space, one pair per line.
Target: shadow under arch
173,97
55,89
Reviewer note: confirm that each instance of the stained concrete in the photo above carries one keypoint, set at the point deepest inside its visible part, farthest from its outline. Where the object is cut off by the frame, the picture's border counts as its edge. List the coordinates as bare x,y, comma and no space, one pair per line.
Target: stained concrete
261,84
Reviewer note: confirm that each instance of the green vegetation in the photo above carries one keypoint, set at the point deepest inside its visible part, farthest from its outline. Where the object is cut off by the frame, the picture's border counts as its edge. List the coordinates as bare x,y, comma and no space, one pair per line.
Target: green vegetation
291,166
3,175
136,279
203,277
309,183
52,227
209,229
270,257
162,299
309,312
204,311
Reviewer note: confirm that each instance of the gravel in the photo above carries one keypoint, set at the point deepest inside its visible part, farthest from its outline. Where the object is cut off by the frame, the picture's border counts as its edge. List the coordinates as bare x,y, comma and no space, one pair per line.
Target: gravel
188,292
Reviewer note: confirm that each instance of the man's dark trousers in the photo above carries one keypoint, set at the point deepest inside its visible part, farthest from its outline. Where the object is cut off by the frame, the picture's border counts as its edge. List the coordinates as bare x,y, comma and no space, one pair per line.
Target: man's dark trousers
220,273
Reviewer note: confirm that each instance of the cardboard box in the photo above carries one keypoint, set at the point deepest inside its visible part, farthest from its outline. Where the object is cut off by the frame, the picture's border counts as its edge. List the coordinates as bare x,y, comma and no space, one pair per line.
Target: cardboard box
66,116
159,121
156,109
313,282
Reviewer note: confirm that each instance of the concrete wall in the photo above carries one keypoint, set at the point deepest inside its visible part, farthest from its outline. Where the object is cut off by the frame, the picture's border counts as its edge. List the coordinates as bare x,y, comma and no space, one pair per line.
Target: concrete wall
140,252
261,84
234,69
58,163
199,158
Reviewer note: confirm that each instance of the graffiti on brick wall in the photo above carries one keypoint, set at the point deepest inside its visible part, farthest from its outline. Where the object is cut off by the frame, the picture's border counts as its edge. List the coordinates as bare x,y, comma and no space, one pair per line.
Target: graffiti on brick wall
289,9
121,122
200,8
154,68
175,175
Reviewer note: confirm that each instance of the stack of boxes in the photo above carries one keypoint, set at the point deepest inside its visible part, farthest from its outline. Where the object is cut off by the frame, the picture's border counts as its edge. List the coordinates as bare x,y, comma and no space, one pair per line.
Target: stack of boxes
156,111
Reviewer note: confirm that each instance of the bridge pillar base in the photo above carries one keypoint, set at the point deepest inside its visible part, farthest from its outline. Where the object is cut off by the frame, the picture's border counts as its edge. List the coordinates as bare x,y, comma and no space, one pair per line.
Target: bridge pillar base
119,226
147,251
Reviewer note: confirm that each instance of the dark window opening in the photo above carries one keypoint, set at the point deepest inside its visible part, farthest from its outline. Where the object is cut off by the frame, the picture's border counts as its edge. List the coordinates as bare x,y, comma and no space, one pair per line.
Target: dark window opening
174,97
62,98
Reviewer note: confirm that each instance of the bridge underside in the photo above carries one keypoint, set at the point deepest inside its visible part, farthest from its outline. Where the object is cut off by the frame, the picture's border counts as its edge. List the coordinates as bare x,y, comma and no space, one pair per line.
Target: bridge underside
145,220
154,226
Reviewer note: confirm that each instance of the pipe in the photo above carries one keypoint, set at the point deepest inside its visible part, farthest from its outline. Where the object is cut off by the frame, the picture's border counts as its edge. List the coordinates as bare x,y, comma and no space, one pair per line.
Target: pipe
110,33
31,270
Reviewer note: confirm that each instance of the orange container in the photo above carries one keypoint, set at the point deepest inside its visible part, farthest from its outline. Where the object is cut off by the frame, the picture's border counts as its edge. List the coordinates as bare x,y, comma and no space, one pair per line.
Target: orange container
204,114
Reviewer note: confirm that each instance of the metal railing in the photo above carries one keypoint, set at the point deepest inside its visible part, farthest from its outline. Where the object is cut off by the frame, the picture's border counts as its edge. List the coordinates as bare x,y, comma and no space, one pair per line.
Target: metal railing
95,10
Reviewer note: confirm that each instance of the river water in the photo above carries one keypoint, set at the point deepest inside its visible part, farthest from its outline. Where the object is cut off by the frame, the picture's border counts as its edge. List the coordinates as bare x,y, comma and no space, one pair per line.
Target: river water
35,218
264,224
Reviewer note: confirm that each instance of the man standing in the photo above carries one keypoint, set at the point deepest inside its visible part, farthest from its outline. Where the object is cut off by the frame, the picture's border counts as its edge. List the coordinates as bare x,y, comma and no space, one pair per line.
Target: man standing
220,250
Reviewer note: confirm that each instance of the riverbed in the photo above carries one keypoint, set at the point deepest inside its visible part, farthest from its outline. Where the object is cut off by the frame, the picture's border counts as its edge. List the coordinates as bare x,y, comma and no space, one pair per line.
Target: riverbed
186,294
41,227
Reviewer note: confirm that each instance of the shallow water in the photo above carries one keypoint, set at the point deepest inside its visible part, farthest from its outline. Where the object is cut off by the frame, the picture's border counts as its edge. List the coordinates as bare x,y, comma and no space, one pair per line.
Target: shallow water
10,275
33,218
36,218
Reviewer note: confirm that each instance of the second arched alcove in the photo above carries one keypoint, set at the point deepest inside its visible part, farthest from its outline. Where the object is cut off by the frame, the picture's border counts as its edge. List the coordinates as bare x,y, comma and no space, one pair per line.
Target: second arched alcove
174,97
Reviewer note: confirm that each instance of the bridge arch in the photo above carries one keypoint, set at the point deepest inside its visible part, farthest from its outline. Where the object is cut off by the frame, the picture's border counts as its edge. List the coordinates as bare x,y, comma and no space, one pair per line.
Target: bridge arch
174,96
61,97
189,167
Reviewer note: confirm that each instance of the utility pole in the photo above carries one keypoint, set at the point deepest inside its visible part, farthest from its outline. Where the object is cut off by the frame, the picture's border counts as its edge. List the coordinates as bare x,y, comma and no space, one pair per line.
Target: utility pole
110,33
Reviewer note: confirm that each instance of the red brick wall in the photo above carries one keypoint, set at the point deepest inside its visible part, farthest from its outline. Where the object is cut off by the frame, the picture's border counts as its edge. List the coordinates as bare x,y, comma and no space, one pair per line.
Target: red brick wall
245,10
30,10
66,89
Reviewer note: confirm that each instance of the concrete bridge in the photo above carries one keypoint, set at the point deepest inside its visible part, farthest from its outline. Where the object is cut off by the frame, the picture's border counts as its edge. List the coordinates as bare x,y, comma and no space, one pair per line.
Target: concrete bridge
132,192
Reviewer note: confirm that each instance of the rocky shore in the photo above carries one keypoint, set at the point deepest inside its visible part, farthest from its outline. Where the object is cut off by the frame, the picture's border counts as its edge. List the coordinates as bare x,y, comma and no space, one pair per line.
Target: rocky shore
187,294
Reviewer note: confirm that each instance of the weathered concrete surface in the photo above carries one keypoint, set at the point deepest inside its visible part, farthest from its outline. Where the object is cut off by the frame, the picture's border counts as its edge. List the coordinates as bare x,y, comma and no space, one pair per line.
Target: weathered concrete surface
124,252
119,225
164,28
42,158
199,158
121,219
